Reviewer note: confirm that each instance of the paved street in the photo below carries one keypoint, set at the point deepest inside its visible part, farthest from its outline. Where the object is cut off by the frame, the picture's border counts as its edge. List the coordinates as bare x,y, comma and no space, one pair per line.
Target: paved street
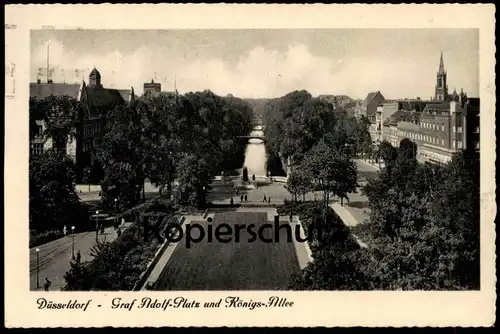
54,257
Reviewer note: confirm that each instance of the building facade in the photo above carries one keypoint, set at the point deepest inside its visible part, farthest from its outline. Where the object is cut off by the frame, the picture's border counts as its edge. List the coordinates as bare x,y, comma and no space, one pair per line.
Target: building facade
151,87
96,102
368,107
40,143
440,128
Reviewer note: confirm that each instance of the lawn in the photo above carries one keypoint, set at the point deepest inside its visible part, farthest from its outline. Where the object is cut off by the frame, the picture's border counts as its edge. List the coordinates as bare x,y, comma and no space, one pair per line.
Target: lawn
232,266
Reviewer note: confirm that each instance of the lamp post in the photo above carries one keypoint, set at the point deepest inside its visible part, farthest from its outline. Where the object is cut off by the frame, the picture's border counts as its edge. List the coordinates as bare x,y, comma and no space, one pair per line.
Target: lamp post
37,268
73,241
116,210
97,226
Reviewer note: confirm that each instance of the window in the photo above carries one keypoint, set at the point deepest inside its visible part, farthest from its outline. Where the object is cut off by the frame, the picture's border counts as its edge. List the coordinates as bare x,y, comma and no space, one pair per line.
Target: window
37,148
459,129
454,143
442,141
442,127
454,129
86,146
39,131
60,147
477,145
459,144
87,130
476,129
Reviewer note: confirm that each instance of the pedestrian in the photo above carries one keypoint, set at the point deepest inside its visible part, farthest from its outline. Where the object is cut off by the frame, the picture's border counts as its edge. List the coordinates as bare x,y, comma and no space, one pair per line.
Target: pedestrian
246,198
65,230
241,198
253,177
269,199
47,284
78,256
265,199
102,228
232,201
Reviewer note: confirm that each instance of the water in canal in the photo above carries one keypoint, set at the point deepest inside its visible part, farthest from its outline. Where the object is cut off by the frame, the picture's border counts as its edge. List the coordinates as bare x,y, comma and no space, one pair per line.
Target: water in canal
255,154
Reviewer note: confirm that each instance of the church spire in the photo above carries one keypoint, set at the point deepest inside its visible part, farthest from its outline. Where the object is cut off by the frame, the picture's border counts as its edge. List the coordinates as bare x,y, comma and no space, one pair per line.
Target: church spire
441,64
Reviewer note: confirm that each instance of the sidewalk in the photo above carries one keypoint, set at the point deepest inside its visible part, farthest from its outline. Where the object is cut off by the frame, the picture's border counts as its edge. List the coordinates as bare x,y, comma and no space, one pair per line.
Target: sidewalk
374,165
54,257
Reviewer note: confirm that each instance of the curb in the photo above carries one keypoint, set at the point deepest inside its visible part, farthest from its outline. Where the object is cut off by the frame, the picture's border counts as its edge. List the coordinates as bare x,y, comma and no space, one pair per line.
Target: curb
141,283
301,246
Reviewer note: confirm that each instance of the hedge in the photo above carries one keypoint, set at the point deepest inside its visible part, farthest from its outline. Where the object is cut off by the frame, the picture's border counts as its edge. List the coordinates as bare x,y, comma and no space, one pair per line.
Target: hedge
119,265
37,239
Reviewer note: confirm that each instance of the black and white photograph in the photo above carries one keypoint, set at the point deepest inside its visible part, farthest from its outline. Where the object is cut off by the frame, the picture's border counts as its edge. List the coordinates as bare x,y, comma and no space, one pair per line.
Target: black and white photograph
243,160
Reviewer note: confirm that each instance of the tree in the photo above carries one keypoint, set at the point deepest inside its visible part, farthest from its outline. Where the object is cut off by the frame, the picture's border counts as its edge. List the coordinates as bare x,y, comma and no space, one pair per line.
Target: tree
407,149
78,278
86,175
53,199
193,175
387,152
363,137
298,183
61,115
122,152
331,171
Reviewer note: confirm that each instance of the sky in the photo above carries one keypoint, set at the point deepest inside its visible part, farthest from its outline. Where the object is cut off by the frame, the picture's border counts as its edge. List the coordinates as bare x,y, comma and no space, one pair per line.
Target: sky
401,63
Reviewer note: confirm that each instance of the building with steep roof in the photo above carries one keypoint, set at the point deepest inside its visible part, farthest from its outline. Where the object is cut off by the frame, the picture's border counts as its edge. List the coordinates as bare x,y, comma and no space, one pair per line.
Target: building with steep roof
368,107
97,102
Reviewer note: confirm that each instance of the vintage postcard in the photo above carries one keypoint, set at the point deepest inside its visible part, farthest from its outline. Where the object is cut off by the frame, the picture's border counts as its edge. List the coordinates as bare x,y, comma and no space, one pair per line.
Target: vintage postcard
250,165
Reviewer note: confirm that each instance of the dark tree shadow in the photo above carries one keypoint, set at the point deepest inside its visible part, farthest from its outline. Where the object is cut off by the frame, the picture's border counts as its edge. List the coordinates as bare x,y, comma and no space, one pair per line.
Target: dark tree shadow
358,204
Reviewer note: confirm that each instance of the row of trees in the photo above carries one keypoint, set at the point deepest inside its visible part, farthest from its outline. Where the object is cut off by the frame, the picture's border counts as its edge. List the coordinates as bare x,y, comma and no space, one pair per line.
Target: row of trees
296,122
325,169
187,138
424,224
423,232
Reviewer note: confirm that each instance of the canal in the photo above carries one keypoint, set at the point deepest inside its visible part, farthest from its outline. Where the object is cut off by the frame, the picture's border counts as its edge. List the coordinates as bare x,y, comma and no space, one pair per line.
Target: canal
255,154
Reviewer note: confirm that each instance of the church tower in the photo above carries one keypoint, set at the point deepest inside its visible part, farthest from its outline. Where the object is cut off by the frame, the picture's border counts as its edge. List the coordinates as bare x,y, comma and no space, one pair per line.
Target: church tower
95,79
441,86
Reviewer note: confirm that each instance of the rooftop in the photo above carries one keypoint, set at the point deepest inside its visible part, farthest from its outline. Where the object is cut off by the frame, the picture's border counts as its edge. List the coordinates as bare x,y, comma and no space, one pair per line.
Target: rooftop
43,90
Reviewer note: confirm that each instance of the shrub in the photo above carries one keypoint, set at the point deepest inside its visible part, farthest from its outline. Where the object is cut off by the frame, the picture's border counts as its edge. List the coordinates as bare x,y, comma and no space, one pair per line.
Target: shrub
119,265
37,239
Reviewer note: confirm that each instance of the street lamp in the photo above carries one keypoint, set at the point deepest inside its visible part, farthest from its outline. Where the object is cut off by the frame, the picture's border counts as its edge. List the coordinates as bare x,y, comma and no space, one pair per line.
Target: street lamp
116,218
73,241
97,226
37,268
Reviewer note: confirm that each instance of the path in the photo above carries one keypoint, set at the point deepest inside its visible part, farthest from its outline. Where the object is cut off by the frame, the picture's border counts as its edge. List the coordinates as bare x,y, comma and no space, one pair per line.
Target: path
55,256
